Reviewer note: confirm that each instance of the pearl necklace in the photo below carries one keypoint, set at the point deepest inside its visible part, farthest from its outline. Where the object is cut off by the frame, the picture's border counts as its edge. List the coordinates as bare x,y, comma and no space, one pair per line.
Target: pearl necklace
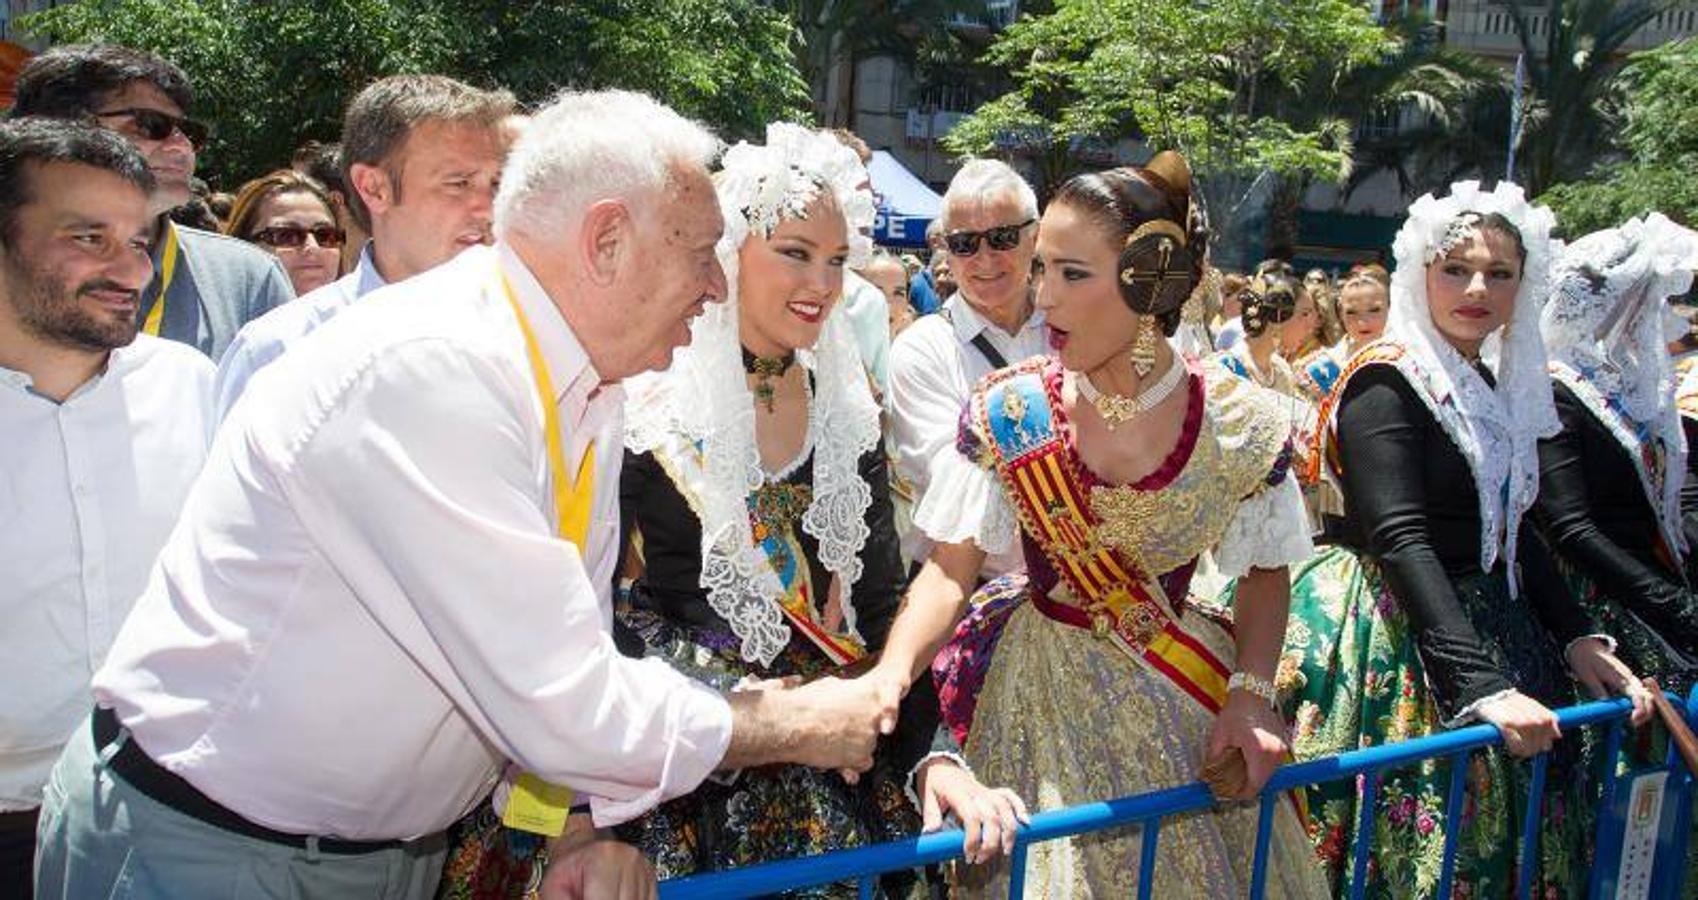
1117,410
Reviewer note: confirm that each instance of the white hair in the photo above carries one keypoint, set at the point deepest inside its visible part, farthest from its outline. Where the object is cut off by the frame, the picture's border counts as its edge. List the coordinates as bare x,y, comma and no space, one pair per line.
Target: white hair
588,146
983,179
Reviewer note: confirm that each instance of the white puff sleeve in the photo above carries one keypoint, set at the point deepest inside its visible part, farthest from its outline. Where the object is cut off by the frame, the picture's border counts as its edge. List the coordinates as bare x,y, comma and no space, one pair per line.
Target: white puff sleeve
964,502
1270,530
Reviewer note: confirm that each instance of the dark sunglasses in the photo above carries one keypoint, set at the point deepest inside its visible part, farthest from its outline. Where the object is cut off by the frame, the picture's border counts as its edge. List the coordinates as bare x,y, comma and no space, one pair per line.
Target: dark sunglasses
294,237
158,126
1002,237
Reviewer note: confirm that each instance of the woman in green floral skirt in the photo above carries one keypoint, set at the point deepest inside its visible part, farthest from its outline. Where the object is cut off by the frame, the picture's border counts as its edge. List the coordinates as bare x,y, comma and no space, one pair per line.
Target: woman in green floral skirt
1437,609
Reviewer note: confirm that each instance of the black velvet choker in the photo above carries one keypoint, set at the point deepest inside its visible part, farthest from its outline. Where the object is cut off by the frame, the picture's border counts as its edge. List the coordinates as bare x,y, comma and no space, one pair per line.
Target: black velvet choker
770,366
765,369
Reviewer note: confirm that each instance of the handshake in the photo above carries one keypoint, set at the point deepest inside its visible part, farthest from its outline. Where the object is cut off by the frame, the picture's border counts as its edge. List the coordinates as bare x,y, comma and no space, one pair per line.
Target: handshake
830,723
834,723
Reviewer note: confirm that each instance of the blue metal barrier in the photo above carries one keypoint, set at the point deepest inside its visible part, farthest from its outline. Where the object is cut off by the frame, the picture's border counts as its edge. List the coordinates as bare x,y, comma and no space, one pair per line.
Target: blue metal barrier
863,865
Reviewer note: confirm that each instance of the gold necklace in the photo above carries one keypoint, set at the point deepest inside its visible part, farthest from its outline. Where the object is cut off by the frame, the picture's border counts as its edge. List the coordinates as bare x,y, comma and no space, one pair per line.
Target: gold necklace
1117,410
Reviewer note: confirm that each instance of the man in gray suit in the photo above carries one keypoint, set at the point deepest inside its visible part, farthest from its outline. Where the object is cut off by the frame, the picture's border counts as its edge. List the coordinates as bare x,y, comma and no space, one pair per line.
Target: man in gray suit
205,286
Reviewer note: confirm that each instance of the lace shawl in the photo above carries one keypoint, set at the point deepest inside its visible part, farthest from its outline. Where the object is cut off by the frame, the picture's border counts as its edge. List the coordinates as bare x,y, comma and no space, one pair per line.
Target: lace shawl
1496,429
1605,332
699,414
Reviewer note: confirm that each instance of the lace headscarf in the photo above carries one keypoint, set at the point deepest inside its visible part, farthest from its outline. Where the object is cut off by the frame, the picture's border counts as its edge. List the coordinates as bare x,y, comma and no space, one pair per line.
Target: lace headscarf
1497,429
700,414
1605,330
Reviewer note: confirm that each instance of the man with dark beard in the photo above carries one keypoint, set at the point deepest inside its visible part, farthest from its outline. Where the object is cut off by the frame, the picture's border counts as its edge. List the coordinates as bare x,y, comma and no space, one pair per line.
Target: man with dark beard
207,285
103,433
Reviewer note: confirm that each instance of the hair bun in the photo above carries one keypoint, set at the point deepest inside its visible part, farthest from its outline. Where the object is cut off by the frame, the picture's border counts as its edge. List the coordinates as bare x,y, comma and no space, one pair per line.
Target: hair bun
1173,169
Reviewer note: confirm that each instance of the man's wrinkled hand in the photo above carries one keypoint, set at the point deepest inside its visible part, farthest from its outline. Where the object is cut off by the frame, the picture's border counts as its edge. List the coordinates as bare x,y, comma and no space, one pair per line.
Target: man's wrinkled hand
839,722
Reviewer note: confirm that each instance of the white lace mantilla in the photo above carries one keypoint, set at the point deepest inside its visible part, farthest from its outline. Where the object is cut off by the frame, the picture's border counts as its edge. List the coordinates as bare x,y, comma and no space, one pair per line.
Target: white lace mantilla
1604,328
1662,490
698,417
1496,429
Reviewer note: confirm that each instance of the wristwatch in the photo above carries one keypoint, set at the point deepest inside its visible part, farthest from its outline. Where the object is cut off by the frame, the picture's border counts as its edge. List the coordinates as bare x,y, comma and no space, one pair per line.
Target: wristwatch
1261,687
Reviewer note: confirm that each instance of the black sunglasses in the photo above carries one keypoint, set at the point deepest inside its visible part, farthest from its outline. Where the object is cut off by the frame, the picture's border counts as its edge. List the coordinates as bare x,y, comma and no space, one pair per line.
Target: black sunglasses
158,126
1002,237
294,237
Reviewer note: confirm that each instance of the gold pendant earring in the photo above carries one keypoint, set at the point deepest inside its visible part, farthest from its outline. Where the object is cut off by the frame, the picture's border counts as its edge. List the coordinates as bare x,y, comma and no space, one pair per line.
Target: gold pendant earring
1143,353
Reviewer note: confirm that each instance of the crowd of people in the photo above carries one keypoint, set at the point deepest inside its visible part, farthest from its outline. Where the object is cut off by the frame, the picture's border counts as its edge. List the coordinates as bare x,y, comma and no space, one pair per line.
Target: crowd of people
507,503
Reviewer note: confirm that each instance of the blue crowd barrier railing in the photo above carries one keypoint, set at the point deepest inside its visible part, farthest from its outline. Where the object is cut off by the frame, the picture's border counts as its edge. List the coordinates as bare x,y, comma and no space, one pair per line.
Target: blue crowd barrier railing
1668,788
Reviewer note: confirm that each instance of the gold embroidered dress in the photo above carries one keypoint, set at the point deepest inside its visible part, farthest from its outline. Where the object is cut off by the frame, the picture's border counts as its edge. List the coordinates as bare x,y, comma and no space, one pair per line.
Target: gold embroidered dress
1107,682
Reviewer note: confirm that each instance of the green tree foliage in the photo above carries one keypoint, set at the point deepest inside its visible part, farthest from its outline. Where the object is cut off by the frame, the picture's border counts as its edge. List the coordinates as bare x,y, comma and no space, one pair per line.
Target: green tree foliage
1571,63
829,36
1660,138
271,75
1217,81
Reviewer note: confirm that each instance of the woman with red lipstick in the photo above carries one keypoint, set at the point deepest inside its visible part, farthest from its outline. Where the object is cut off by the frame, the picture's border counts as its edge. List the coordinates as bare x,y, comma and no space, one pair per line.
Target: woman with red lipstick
756,478
1615,395
1116,463
1439,608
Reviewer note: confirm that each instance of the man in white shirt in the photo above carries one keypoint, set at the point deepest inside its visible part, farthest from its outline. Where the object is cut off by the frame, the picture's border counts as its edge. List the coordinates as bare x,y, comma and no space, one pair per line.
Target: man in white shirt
368,606
104,432
990,225
422,156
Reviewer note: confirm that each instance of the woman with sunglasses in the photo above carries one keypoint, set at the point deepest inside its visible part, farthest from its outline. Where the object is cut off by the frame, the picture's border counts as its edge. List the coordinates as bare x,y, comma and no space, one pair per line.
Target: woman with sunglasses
1115,463
1440,607
290,215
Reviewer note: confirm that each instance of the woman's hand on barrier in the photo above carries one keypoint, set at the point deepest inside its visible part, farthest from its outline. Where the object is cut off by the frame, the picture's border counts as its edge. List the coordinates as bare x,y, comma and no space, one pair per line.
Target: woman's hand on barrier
1248,723
1604,675
591,867
1528,726
989,816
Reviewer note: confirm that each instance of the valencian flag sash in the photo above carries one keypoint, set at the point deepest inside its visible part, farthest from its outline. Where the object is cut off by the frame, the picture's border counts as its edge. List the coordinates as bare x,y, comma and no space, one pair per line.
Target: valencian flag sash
1116,600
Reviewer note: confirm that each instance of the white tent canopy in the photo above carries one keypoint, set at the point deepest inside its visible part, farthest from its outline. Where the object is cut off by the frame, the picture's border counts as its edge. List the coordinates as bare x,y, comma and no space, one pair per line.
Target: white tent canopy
906,205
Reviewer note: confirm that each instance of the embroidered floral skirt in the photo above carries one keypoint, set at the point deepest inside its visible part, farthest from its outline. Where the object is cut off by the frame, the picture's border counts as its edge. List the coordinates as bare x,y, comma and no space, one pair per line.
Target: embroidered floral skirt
1066,718
1638,645
1351,678
760,815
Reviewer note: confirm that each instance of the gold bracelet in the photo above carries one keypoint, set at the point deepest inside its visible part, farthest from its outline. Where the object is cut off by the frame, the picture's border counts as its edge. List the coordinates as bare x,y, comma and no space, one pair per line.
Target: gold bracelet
1261,687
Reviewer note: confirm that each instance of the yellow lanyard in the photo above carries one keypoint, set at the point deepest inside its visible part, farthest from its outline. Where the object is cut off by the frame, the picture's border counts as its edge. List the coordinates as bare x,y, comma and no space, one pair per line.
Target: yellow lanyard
535,805
167,270
572,499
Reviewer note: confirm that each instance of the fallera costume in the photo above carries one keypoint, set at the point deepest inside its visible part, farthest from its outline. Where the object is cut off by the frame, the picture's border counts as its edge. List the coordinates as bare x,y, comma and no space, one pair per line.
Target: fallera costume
1432,602
1095,676
1614,387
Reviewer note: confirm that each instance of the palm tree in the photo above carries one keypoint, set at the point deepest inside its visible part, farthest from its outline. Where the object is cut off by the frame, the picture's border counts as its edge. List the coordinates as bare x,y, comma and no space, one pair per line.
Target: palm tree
1423,92
1569,75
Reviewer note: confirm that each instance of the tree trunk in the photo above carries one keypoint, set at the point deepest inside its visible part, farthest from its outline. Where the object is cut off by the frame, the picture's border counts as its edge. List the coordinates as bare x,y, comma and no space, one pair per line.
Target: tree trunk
1283,229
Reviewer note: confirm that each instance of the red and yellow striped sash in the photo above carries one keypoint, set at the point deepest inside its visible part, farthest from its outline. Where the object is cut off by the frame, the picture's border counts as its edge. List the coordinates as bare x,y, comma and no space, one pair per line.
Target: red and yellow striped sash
1114,598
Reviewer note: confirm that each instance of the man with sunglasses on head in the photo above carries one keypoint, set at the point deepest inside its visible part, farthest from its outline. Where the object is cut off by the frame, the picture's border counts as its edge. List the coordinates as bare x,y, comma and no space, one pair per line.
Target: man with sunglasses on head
422,156
990,224
205,286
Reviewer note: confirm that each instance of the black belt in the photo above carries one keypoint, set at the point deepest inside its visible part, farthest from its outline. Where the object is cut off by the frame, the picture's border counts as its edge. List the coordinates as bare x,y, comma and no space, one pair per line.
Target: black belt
133,764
